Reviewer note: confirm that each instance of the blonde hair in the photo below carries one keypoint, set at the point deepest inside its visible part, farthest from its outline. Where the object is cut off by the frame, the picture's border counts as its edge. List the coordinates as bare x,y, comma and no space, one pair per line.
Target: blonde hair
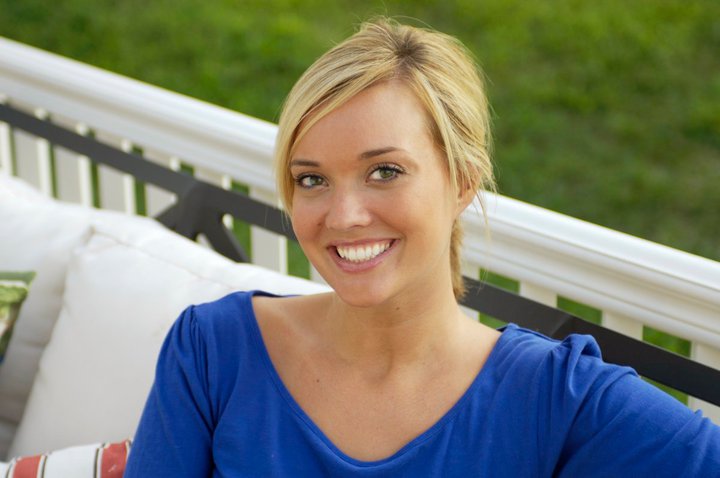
438,69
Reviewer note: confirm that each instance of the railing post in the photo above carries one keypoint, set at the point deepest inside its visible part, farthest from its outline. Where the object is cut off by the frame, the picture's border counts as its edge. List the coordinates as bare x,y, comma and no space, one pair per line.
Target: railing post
221,180
538,294
471,271
117,190
624,325
27,159
711,357
42,148
85,171
72,171
128,182
156,199
43,158
268,249
6,161
315,275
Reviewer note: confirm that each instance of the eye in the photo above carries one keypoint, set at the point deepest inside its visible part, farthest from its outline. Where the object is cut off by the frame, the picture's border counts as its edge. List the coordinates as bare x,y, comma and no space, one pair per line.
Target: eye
309,181
386,172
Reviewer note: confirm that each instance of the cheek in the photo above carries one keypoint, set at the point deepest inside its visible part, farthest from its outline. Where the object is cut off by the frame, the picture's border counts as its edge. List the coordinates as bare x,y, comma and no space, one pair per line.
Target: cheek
304,220
298,220
434,196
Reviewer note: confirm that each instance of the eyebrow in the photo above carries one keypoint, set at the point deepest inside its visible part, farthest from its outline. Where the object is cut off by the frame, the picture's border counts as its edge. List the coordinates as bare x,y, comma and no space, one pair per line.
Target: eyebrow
304,162
366,155
379,152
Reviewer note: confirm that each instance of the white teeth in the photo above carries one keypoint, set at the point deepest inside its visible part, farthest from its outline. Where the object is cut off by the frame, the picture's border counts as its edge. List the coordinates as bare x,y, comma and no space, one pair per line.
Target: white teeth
363,253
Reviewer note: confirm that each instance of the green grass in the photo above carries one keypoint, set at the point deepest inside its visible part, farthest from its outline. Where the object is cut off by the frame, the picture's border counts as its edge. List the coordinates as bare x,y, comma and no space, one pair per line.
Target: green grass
583,311
607,111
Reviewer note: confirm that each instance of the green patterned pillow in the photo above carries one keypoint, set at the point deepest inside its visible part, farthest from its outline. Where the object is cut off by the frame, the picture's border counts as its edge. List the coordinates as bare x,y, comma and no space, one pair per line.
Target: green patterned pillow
13,290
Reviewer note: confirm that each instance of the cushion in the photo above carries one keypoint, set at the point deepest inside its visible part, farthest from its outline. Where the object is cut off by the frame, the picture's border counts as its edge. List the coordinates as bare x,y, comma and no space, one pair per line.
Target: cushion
13,290
37,234
125,288
19,189
101,460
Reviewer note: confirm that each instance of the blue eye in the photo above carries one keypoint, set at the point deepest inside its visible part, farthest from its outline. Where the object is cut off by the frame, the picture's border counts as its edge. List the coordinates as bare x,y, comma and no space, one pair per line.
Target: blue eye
309,181
385,172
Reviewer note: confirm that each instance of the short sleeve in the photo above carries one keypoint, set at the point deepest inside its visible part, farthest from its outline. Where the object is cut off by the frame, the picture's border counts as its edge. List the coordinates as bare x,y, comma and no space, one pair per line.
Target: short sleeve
623,426
174,437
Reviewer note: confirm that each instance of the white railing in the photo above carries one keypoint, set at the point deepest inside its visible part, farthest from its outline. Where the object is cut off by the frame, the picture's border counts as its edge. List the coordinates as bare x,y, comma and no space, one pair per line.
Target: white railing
635,283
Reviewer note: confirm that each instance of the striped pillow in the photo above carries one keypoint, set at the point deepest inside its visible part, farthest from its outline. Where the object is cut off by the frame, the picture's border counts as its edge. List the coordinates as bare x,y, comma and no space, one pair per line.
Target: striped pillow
104,460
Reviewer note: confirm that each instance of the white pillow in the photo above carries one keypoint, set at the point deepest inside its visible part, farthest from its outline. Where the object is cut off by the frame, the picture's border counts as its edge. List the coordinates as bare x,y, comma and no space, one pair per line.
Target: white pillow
12,186
124,290
36,234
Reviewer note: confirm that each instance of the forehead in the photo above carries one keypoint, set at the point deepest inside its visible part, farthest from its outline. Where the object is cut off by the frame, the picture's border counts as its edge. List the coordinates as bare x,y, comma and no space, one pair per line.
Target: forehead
388,114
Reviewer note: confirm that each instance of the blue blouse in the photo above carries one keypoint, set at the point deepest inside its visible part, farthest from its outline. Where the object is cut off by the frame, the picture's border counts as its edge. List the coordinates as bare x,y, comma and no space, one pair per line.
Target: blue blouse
539,407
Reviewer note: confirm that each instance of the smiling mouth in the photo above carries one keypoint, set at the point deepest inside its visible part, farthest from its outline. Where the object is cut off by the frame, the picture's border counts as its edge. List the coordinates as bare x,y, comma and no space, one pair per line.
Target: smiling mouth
363,253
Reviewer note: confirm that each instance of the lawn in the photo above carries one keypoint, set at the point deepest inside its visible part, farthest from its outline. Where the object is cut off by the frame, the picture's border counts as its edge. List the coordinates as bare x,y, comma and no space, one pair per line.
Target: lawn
607,111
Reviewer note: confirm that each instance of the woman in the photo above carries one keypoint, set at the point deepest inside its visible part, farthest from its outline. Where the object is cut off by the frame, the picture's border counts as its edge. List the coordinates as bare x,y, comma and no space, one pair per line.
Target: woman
382,144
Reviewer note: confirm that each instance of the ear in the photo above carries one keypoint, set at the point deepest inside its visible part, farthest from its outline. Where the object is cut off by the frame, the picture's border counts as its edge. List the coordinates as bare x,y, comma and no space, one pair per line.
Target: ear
465,197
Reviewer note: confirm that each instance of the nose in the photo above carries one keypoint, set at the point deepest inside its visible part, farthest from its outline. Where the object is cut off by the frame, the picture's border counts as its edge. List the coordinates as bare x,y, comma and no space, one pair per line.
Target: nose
347,209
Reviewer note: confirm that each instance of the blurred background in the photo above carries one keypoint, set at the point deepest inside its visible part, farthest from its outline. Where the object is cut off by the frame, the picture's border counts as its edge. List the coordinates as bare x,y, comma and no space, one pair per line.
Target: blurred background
608,111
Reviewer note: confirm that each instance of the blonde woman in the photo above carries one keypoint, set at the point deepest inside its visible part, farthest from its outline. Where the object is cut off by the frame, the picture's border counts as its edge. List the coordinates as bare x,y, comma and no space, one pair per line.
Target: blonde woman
382,143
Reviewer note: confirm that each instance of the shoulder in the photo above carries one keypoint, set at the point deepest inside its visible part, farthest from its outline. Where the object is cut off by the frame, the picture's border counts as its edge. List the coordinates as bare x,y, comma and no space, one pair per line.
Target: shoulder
216,332
247,313
560,375
210,344
522,348
228,305
223,316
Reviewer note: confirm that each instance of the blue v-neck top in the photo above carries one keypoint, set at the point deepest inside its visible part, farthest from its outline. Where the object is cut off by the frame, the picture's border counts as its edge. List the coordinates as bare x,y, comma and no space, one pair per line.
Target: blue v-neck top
539,407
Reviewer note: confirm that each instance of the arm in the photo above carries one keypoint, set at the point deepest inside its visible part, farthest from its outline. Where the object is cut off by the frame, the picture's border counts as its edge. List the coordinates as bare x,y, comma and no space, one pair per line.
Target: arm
174,437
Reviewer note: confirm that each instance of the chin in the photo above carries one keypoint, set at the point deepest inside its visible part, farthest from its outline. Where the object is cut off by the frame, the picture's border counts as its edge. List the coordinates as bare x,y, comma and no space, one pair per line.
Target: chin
363,296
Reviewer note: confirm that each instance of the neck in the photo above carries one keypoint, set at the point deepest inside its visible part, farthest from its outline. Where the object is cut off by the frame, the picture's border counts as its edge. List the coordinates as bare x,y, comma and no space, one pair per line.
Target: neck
387,338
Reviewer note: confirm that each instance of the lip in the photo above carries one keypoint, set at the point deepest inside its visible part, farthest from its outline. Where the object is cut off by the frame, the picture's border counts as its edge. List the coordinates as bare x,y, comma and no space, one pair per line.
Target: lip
349,266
